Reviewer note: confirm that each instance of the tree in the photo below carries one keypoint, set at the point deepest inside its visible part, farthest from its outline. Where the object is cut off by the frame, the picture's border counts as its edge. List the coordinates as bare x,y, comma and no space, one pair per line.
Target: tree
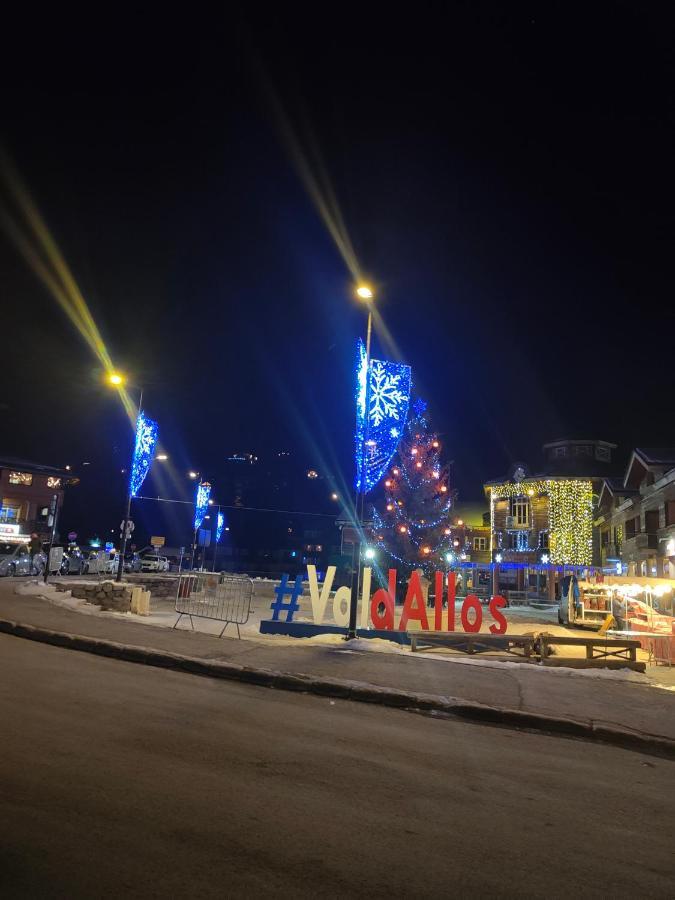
411,518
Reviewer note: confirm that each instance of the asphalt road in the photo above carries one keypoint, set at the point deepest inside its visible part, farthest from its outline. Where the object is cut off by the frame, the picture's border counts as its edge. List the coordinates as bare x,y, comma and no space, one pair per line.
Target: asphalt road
120,780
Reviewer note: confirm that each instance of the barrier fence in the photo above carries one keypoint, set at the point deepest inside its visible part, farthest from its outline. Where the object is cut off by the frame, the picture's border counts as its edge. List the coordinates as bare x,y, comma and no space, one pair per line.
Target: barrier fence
214,595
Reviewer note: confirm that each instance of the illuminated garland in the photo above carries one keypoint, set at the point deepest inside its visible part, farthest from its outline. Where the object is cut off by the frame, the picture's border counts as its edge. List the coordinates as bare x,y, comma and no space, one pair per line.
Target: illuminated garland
144,450
220,524
570,515
201,502
385,388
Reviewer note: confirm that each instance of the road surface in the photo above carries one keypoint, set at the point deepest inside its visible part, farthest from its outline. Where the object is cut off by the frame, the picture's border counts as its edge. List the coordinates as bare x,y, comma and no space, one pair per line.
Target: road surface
120,780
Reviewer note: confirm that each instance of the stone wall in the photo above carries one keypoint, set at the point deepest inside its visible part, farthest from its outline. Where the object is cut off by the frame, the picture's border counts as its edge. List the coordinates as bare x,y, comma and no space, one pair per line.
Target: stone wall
106,594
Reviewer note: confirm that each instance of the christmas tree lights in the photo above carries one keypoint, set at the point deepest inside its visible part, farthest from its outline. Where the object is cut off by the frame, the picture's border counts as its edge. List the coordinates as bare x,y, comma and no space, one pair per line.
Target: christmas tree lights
415,533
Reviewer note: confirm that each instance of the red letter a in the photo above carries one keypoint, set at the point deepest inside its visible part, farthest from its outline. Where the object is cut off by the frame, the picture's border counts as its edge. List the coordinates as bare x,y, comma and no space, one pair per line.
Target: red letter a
411,611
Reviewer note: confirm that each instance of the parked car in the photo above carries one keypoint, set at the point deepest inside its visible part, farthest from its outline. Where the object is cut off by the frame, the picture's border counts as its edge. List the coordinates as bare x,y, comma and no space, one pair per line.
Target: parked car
151,562
74,562
103,562
132,562
15,559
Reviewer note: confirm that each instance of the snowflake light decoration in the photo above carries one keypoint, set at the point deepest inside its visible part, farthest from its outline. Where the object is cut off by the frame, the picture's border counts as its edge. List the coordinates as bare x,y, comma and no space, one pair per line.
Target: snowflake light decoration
386,394
201,502
144,450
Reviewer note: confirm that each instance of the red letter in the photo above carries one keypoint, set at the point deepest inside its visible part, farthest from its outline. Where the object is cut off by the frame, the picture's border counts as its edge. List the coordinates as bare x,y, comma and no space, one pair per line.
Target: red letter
495,605
386,620
472,602
438,602
410,611
451,601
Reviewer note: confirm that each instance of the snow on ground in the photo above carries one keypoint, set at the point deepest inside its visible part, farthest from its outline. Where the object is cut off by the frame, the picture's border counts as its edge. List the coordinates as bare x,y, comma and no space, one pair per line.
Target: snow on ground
163,615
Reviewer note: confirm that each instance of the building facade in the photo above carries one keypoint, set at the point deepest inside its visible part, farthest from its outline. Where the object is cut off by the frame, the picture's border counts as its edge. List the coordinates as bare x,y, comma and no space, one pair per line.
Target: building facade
29,491
537,519
636,516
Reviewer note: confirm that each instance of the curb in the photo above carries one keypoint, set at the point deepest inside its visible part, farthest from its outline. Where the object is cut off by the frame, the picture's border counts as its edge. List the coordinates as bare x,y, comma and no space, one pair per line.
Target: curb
342,689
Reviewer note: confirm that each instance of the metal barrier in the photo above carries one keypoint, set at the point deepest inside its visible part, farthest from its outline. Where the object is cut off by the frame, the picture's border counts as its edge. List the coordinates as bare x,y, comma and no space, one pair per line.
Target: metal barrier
214,595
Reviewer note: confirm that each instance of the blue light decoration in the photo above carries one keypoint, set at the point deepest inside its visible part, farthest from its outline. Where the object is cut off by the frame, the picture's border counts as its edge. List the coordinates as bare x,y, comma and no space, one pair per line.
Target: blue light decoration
378,429
144,450
201,502
219,526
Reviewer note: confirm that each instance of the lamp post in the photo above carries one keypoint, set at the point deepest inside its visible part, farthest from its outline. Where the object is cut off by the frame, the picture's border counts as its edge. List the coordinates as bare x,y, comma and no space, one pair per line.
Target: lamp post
116,379
364,293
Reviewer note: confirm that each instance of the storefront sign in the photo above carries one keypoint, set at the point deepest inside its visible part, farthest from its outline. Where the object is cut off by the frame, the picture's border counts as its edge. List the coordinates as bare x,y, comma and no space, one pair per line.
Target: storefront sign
380,611
10,529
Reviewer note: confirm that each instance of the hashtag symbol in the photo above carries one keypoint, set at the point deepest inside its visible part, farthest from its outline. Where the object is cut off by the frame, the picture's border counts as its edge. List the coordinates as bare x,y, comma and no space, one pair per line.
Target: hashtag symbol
283,590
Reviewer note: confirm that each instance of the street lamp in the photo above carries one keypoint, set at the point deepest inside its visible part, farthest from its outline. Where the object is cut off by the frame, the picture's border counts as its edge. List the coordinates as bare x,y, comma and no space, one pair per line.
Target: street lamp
364,293
118,380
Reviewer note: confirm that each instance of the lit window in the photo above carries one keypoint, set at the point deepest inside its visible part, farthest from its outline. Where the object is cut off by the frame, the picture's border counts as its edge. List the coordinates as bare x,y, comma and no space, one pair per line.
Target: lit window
520,510
53,482
480,543
24,478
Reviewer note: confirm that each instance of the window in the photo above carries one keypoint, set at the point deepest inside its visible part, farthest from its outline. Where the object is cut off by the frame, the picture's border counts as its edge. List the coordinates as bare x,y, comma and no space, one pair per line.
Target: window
670,512
602,453
519,541
630,528
480,543
520,510
604,537
24,478
666,568
583,450
53,482
559,452
543,540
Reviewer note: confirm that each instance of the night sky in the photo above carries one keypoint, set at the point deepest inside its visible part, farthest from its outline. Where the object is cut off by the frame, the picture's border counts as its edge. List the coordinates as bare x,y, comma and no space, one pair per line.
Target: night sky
504,172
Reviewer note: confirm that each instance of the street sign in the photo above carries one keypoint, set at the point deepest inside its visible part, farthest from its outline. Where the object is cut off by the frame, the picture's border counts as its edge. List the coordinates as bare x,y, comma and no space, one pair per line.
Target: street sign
130,526
157,541
55,559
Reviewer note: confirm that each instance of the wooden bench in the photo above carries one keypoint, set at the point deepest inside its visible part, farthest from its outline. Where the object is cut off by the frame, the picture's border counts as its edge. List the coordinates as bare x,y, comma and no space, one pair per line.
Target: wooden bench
597,648
473,643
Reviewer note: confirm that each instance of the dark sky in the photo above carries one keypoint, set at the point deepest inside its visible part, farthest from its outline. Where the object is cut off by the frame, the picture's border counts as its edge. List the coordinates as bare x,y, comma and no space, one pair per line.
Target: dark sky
504,172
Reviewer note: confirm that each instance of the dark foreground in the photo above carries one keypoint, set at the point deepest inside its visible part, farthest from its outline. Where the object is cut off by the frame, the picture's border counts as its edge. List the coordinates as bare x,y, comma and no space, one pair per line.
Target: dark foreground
117,780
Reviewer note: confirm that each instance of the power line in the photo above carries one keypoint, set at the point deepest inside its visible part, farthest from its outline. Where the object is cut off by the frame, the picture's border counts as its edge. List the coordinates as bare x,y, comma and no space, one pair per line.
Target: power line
287,512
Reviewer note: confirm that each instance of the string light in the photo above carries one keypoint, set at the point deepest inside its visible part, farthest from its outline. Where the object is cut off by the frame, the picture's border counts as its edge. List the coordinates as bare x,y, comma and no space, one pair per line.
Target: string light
220,525
570,507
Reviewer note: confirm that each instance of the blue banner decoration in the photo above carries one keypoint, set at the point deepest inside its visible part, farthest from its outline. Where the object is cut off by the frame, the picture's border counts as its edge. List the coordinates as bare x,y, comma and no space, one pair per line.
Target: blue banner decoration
385,391
219,526
201,502
144,451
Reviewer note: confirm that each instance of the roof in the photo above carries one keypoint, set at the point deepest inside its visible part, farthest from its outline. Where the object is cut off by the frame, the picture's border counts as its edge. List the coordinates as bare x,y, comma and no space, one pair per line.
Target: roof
25,465
656,456
564,441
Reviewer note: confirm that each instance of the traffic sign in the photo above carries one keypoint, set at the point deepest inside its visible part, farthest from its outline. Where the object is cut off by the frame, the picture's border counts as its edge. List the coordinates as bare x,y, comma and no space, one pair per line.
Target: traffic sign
157,541
130,526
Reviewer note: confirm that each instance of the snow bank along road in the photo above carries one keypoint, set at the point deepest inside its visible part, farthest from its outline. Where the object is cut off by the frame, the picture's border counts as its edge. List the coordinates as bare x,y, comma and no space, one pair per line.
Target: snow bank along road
119,779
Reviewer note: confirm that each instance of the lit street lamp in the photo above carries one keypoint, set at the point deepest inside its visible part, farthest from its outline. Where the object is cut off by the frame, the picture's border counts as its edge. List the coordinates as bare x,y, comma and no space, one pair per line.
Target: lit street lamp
364,293
118,380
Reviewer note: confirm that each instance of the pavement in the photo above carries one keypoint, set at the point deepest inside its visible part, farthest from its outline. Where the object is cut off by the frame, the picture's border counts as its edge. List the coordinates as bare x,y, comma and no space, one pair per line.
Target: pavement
125,780
615,706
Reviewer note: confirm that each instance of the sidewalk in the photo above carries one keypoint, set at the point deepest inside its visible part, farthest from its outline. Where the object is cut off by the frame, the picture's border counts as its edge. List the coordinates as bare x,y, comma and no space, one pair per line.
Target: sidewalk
616,700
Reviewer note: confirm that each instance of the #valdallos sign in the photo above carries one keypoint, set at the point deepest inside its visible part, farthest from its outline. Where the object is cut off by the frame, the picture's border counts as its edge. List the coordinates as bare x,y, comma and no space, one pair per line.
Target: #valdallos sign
380,611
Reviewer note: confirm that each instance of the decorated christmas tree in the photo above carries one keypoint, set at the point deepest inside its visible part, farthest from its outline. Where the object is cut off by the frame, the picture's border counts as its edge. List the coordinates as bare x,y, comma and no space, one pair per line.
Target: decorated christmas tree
411,518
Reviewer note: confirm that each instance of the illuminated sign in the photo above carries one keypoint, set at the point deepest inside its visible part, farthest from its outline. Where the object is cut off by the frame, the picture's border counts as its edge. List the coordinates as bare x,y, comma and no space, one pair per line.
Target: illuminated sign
379,611
9,529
